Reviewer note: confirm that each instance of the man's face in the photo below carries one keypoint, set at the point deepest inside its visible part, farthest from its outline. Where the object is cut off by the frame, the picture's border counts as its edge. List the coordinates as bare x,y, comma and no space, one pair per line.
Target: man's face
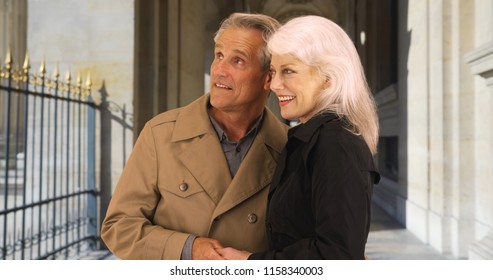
238,83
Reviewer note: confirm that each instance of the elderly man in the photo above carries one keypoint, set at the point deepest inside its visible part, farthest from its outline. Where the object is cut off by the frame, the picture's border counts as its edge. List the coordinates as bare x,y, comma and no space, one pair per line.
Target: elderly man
198,176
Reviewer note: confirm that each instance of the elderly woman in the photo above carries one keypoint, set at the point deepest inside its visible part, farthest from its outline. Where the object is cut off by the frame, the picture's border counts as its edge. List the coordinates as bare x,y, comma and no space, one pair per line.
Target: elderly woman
320,197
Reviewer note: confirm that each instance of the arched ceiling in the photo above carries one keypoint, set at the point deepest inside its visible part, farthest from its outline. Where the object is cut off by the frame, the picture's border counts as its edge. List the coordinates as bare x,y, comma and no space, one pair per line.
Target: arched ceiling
286,9
339,11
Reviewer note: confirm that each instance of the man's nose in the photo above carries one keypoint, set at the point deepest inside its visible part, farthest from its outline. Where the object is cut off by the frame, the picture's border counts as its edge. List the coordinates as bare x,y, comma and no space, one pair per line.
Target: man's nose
219,68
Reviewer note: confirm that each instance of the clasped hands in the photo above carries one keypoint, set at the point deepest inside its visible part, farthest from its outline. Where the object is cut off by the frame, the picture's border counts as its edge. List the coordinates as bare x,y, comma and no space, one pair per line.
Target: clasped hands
210,249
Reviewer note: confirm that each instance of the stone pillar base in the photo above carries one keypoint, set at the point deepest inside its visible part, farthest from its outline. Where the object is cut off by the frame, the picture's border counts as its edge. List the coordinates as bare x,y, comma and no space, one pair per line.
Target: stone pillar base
482,249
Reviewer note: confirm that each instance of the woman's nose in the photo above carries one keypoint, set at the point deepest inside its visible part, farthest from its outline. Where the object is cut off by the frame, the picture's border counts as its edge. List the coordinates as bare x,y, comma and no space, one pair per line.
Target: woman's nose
276,83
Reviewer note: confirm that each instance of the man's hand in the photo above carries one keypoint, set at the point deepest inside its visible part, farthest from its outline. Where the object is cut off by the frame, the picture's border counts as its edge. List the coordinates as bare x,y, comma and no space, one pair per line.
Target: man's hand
205,249
233,254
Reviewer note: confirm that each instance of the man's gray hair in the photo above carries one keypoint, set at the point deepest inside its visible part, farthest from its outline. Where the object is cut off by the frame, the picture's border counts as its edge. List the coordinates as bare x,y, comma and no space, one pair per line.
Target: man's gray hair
265,24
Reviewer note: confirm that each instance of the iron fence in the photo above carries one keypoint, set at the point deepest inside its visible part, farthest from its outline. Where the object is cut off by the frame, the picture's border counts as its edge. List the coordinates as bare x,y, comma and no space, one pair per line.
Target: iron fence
49,202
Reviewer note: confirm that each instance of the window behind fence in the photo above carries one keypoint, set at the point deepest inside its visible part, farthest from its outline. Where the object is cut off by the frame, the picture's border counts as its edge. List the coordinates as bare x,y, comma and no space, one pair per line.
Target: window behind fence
48,196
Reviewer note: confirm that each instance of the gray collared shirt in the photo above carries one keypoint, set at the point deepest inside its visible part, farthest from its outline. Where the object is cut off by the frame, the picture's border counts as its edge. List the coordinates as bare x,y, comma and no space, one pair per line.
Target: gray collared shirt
234,153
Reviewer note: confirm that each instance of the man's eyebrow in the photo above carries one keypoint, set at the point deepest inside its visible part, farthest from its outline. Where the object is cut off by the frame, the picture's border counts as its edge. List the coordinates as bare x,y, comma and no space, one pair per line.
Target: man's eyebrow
237,51
242,53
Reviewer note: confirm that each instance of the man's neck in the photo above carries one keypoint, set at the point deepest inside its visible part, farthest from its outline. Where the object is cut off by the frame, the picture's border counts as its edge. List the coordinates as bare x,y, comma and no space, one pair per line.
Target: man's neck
235,125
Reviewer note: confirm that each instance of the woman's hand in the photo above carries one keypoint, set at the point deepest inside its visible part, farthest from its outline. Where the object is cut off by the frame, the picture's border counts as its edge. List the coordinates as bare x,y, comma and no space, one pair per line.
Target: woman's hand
233,254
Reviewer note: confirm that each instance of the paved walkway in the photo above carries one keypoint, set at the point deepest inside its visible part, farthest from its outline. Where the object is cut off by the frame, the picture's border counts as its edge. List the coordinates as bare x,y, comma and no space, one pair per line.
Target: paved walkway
388,240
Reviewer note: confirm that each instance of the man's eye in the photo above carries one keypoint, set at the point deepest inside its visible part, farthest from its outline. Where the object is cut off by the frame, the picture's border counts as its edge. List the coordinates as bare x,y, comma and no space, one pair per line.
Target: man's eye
219,56
238,61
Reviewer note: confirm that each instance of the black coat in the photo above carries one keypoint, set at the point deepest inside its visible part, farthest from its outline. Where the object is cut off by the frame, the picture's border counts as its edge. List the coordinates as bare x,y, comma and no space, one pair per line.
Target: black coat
320,196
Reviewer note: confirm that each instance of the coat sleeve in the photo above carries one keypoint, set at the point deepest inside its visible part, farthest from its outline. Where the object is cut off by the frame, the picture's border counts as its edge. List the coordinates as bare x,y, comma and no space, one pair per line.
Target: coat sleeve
341,196
127,229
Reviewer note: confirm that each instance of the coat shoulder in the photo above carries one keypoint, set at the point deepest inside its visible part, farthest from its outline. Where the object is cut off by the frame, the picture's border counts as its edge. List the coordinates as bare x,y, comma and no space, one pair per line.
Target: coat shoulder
165,117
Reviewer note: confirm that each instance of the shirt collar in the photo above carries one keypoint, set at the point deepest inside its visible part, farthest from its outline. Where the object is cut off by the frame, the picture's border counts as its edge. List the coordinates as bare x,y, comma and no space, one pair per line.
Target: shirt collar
224,137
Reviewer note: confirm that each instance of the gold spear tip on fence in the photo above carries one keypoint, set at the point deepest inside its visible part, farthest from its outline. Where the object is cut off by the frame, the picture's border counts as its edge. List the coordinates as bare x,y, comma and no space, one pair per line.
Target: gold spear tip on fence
27,64
8,59
79,84
88,84
42,68
68,76
56,72
89,81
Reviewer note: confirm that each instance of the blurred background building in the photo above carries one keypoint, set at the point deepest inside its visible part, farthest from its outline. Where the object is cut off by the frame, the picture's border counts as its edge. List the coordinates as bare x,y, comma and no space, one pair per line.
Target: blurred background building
429,64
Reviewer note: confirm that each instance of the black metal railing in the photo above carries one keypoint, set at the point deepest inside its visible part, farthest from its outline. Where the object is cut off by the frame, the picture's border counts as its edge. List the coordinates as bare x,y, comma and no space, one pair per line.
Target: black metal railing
49,202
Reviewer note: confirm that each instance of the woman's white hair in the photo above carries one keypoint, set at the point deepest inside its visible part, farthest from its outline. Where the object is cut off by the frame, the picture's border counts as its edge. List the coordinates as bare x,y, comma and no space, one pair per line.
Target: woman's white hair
321,43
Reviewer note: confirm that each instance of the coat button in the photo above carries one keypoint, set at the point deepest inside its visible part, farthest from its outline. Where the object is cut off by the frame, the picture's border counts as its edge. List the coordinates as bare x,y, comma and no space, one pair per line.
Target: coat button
252,218
183,187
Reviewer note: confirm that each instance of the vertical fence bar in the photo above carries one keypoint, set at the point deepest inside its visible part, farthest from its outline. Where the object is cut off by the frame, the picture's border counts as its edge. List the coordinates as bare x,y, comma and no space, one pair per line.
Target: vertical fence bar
8,63
79,173
56,85
33,171
91,208
15,180
25,137
42,73
67,150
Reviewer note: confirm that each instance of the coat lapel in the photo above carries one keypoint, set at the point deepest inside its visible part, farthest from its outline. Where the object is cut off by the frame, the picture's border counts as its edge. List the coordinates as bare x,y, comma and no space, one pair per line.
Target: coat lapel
254,174
259,164
203,156
206,162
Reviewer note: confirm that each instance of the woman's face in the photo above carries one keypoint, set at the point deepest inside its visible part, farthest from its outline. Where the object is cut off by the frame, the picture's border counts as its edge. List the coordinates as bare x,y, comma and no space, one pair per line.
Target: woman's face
297,87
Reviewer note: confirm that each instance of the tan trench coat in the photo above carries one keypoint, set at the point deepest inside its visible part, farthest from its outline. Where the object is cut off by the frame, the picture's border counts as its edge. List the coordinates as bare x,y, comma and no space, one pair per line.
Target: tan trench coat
177,182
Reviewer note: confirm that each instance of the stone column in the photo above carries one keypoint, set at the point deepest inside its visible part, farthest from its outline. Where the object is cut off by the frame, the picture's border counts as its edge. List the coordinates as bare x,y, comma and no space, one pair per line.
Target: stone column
13,29
481,62
13,34
186,51
169,56
442,127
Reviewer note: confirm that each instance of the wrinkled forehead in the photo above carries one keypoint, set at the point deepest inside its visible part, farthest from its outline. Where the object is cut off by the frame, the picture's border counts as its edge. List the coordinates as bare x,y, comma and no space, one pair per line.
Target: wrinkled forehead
246,42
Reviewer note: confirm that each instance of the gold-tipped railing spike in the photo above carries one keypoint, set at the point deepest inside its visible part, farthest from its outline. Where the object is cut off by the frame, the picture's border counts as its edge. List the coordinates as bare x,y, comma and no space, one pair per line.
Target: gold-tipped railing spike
42,69
68,77
56,73
88,84
78,89
8,60
88,81
27,64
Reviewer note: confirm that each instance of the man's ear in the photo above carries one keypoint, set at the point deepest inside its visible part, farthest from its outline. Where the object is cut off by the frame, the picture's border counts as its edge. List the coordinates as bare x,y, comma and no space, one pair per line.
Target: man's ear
268,80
